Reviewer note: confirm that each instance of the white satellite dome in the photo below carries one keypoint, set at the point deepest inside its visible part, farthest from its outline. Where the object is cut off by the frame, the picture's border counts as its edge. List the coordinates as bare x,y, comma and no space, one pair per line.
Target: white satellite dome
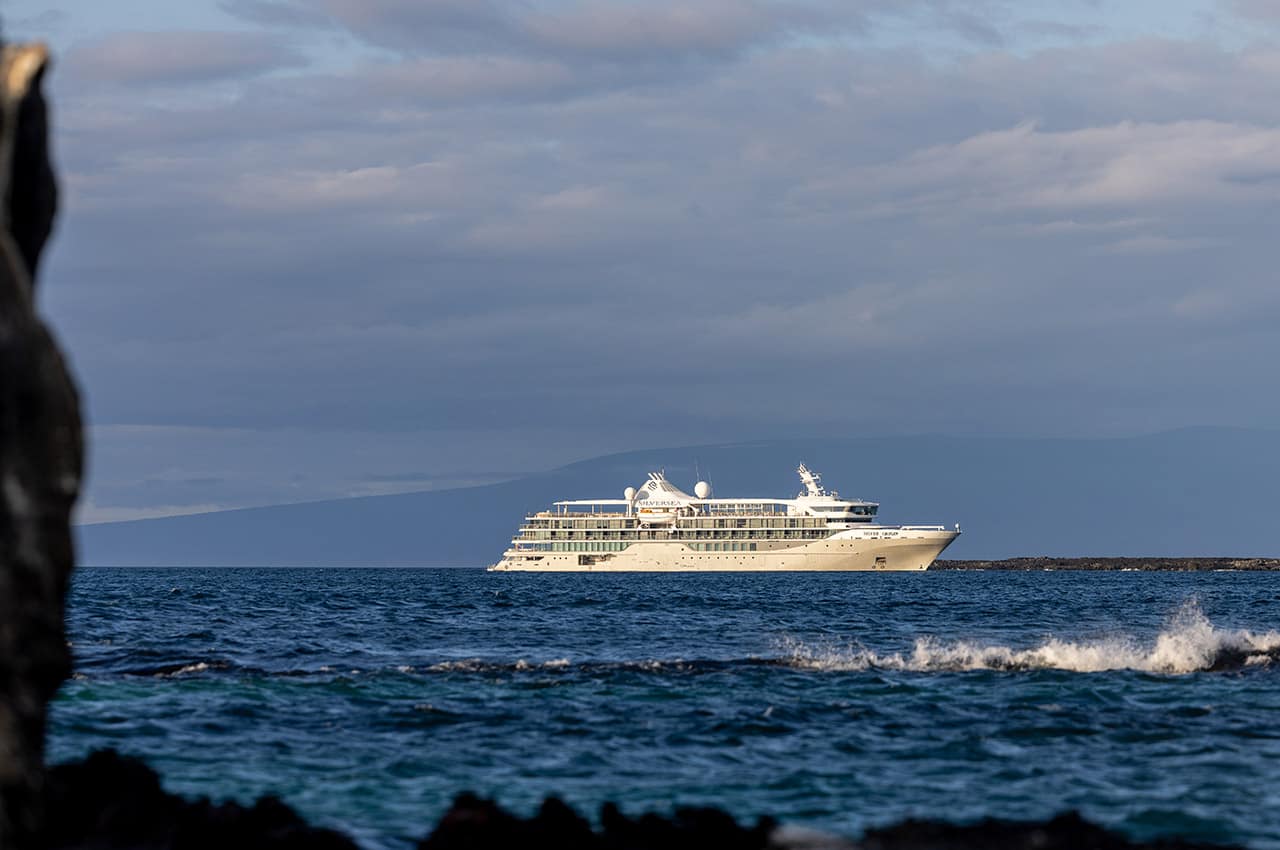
702,489
629,494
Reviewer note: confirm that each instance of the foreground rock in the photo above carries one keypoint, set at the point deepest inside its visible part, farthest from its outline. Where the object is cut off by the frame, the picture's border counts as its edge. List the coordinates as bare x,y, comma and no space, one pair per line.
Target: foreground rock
1148,564
40,454
473,823
108,802
1065,832
477,824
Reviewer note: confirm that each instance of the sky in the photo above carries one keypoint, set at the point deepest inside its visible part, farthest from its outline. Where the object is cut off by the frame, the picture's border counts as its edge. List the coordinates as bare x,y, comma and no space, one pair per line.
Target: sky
322,248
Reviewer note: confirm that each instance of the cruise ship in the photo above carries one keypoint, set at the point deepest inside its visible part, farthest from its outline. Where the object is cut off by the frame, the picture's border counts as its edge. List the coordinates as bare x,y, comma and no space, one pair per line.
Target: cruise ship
660,528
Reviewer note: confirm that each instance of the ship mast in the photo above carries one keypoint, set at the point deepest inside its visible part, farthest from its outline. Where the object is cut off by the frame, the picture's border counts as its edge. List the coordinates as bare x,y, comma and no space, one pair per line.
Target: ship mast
812,481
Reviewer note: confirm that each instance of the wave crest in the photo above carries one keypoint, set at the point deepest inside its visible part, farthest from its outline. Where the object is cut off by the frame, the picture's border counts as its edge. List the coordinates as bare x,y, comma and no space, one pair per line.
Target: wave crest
1189,643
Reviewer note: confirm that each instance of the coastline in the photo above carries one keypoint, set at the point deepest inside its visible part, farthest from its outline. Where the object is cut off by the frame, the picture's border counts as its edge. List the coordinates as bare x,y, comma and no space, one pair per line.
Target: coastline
1182,565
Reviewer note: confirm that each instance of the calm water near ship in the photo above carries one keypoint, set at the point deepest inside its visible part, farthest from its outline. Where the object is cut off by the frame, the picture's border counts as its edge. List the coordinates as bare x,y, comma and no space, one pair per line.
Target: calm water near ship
368,698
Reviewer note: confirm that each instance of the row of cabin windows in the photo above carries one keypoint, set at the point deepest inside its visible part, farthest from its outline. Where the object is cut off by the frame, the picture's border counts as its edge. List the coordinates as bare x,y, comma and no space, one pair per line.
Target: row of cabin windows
819,524
582,546
582,523
605,546
755,522
697,522
681,534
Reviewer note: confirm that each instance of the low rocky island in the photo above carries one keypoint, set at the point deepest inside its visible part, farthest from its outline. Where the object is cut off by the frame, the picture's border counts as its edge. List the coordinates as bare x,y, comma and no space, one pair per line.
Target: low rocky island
1181,565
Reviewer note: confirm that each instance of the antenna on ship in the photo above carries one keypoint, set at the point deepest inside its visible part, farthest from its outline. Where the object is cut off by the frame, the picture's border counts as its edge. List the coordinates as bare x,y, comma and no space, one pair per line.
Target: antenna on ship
812,481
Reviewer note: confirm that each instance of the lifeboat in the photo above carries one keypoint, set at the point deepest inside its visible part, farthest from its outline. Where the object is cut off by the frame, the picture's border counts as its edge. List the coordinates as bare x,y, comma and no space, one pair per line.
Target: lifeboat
649,516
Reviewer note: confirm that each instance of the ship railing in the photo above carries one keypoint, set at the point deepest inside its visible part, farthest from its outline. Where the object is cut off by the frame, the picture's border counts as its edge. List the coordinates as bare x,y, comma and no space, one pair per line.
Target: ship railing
727,512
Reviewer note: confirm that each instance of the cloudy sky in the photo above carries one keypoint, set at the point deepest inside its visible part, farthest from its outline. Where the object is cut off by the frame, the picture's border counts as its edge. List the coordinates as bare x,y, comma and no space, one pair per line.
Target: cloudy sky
317,248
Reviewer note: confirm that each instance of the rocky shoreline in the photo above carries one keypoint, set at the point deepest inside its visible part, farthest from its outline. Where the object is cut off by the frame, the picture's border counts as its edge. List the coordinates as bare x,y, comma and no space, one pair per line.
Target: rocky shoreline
108,801
1180,565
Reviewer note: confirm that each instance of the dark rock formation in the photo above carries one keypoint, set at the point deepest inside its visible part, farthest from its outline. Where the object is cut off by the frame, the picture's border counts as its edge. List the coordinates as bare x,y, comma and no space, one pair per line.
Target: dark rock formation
40,454
1067,831
475,824
1150,564
107,802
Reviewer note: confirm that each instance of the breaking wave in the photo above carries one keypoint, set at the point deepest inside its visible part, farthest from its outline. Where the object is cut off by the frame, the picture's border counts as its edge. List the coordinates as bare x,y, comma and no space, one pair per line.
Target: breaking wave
1189,643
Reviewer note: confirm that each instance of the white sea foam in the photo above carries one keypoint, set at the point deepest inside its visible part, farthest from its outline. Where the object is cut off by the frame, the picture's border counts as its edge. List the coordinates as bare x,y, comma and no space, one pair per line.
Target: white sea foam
477,665
1188,643
198,667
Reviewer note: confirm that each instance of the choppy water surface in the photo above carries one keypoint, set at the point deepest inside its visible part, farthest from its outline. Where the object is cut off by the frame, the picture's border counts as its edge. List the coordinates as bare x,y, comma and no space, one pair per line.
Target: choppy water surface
368,698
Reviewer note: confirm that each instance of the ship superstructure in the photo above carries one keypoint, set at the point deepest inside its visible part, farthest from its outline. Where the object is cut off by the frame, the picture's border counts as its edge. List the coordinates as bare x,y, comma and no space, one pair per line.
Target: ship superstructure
660,528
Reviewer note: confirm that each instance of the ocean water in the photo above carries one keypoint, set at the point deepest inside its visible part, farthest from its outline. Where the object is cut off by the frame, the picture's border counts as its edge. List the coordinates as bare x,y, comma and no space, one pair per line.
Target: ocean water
368,698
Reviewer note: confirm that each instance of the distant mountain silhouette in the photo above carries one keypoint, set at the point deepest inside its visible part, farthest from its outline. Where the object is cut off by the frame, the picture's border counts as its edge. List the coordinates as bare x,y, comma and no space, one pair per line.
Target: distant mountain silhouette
1202,491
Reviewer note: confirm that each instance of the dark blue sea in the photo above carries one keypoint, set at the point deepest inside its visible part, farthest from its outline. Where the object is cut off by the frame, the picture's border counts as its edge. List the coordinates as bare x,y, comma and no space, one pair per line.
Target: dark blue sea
368,698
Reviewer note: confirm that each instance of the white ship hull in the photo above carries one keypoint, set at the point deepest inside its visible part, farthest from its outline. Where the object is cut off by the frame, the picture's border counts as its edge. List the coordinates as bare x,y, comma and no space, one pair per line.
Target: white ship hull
873,549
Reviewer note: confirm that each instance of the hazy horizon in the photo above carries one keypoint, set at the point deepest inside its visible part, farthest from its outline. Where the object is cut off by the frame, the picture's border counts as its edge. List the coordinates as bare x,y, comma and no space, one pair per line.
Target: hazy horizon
674,450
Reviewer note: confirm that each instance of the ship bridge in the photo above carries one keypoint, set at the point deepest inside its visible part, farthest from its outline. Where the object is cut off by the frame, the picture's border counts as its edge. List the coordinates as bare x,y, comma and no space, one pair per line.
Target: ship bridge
657,500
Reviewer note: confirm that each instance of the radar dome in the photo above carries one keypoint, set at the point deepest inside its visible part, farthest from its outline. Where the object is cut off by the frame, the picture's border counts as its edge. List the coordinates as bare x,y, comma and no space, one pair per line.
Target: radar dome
629,494
702,489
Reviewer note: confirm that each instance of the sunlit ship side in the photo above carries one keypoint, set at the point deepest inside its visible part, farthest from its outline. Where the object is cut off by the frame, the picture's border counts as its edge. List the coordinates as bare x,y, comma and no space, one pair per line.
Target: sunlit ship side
660,528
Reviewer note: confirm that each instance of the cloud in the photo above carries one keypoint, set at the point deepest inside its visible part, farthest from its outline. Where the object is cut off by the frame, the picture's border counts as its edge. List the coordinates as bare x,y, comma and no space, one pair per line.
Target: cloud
1123,166
36,26
177,58
451,26
1156,244
275,13
1257,10
470,79
622,29
621,32
580,243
